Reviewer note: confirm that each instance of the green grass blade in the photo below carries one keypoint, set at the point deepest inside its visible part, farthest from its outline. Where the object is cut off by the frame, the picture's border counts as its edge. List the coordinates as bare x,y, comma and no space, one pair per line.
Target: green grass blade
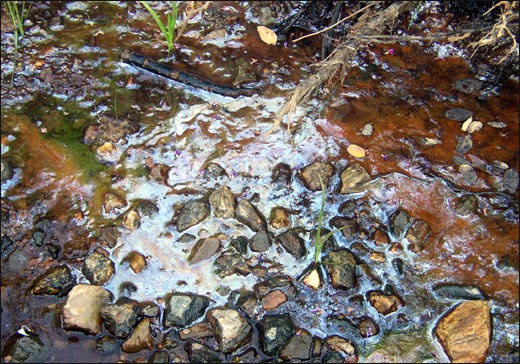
156,18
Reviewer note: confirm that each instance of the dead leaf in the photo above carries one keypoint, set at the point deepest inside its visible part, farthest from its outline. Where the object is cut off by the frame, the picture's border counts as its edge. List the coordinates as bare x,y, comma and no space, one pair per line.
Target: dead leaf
267,35
466,124
474,126
356,151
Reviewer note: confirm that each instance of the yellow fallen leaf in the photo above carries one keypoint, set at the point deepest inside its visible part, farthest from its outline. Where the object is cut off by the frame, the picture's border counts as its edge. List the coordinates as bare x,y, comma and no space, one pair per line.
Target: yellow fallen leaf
356,151
267,35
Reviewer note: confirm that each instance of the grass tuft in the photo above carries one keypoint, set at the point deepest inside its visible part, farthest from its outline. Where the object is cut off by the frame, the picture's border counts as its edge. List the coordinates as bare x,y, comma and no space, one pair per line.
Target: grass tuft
168,30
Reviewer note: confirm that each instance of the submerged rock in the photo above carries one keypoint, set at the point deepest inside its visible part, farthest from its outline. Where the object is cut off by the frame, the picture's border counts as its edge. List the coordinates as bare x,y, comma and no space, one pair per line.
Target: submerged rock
56,281
279,218
110,235
510,180
248,215
464,144
282,175
468,204
192,213
231,263
213,170
232,330
240,244
367,327
275,331
204,249
468,174
106,344
140,338
418,234
457,292
310,175
183,309
337,343
223,203
384,304
146,208
261,241
458,114
6,171
297,347
197,331
159,357
248,302
399,222
131,220
136,260
465,332
467,85
120,317
341,267
97,268
82,310
273,300
198,353
292,243
113,201
350,228
22,348
352,177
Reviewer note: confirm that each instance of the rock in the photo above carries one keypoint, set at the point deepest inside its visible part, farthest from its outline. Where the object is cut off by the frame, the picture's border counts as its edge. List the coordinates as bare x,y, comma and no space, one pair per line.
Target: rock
381,239
312,279
260,271
352,177
113,201
467,85
17,261
186,238
367,130
232,330
465,332
279,218
198,353
197,331
110,235
22,348
7,245
273,300
458,114
248,215
204,249
136,260
497,124
56,281
337,343
213,171
160,173
97,268
399,222
82,310
367,327
298,346
148,309
418,234
468,204
146,208
159,357
468,174
120,317
229,264
6,170
292,244
474,126
464,144
183,309
240,244
261,241
223,203
333,357
282,175
38,237
365,273
192,213
310,175
342,270
275,331
126,289
377,257
398,266
510,180
106,344
350,227
249,356
396,248
140,338
131,220
384,304
247,302
508,261
458,160
457,292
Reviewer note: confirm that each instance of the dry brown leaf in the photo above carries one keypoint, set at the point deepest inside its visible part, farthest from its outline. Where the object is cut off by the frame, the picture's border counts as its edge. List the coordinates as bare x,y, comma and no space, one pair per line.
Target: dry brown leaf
267,35
356,151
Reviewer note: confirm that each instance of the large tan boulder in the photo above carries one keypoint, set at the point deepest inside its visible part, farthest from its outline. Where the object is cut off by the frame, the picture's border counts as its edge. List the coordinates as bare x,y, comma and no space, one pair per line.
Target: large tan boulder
465,332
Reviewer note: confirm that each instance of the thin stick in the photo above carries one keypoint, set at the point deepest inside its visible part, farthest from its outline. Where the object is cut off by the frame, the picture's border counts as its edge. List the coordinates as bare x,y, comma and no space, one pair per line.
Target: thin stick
334,25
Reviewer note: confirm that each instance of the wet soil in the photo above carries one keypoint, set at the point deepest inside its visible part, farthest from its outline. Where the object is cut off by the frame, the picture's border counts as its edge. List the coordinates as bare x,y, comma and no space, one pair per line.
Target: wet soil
164,136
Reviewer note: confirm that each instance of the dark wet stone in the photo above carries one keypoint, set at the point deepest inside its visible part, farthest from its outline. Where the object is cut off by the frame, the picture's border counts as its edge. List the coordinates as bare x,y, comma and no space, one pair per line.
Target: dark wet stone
232,330
204,249
353,176
106,344
7,245
348,208
383,303
187,238
213,170
198,353
310,175
458,114
279,218
249,356
261,241
110,235
508,261
342,270
458,160
148,309
366,273
457,292
398,266
367,327
17,261
298,346
97,268
159,357
223,203
350,228
126,289
23,348
147,208
292,243
192,213
248,302
240,244
418,234
468,174
510,180
467,85
464,144
183,309
468,204
282,175
114,201
228,264
120,317
109,129
278,281
333,357
248,215
53,250
330,243
275,331
6,171
399,222
38,237
316,347
223,290
56,281
197,331
139,339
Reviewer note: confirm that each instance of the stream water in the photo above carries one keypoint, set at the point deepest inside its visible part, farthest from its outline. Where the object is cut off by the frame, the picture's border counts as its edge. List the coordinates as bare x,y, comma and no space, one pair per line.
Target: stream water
69,75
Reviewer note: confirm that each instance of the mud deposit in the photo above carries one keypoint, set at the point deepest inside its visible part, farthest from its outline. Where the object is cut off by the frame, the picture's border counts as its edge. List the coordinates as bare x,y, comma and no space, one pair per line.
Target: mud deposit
147,220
